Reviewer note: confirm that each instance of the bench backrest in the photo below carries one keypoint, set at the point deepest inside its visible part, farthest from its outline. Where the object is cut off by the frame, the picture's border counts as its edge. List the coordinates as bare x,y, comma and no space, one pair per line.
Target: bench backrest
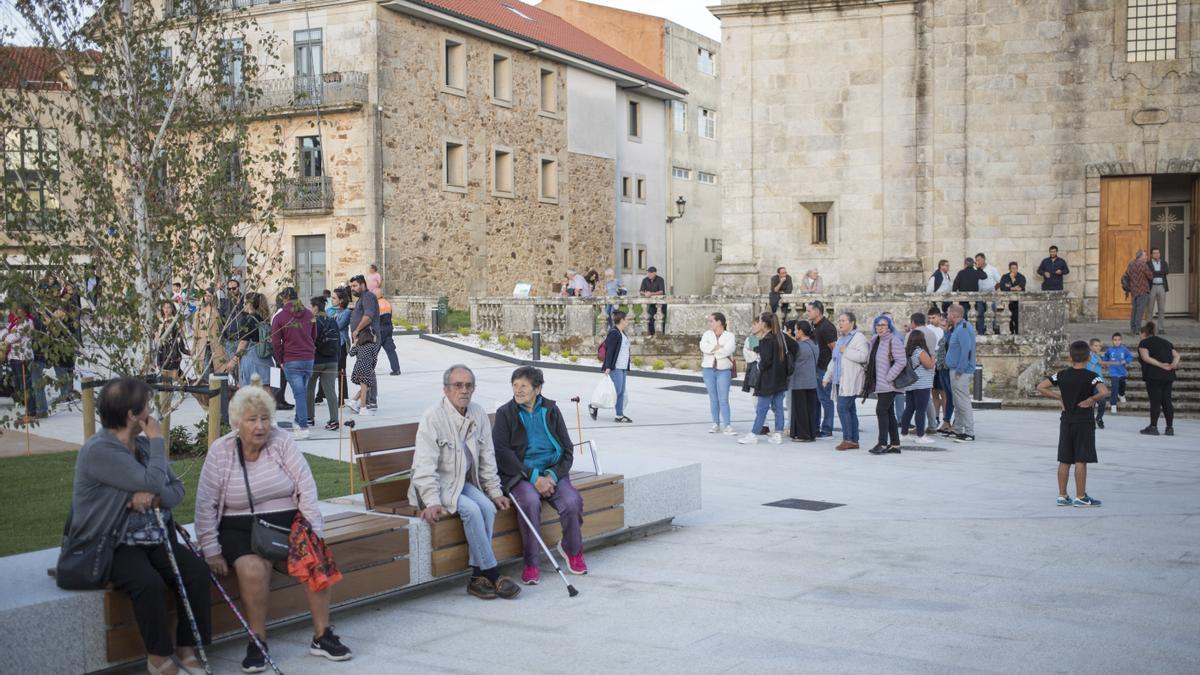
385,458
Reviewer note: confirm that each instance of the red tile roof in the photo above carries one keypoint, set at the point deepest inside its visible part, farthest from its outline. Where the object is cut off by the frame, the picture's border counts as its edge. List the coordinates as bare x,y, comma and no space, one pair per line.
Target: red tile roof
23,66
549,30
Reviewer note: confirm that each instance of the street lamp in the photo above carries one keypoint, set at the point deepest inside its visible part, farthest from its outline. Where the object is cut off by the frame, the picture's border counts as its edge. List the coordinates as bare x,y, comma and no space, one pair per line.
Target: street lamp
680,206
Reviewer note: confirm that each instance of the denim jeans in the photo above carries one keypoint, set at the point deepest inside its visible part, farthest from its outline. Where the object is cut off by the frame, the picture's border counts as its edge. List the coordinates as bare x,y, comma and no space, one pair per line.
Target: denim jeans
66,382
765,403
848,415
1117,390
478,515
916,403
298,374
947,394
618,376
717,383
39,387
824,403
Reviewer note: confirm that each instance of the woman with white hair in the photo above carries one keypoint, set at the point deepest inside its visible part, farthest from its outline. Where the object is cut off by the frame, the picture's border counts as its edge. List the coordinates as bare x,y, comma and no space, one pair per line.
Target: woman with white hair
256,471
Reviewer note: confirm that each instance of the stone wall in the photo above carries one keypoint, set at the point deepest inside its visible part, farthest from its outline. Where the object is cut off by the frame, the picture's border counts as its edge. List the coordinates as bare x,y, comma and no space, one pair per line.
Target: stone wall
936,129
473,242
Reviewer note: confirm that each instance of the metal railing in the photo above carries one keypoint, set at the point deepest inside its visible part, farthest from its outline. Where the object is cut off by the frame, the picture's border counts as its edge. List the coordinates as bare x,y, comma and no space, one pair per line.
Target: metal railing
306,194
329,90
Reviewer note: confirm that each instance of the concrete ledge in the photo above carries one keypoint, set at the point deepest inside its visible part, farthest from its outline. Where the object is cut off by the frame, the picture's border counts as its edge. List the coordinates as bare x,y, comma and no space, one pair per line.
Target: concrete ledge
35,613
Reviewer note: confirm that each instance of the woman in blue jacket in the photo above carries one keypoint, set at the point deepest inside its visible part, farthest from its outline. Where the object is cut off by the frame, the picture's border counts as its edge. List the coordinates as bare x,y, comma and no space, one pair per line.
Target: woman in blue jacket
616,362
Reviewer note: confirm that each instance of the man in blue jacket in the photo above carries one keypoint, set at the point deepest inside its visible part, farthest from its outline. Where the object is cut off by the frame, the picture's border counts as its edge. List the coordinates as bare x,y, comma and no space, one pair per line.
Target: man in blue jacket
960,361
1052,270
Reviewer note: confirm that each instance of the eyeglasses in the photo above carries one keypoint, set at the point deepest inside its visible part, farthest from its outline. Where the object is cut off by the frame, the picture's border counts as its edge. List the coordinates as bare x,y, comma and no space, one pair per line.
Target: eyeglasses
462,386
231,288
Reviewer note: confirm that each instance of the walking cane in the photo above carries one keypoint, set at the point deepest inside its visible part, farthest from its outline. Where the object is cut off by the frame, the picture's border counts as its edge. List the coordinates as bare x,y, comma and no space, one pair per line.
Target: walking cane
578,418
183,596
262,647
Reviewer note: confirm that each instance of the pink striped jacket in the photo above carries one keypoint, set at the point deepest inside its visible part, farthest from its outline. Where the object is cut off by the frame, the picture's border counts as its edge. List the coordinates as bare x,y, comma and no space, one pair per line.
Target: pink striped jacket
221,466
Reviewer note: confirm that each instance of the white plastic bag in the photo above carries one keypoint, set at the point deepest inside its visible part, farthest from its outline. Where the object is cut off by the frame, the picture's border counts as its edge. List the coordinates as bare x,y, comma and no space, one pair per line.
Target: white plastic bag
605,394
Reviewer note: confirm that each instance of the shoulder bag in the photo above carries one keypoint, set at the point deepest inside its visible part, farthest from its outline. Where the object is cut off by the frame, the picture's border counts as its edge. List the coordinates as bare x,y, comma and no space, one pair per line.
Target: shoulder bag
906,377
267,540
85,565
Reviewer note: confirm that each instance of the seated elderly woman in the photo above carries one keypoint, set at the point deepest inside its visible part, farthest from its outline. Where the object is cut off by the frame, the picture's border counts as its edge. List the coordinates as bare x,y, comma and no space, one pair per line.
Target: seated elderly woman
121,477
534,455
257,471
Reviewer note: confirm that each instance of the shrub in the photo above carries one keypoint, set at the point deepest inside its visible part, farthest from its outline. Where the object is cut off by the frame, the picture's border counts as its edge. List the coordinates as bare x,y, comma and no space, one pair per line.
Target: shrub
421,327
464,331
565,353
484,335
503,340
545,351
638,361
183,444
658,364
573,358
523,343
683,365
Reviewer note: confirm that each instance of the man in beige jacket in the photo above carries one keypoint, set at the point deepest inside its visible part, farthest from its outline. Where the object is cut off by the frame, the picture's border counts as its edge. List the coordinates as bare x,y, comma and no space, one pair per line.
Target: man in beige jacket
454,472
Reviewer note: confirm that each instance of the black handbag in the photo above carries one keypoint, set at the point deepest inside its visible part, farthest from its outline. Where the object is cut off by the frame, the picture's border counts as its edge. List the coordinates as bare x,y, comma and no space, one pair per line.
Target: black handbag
84,565
753,377
907,377
266,539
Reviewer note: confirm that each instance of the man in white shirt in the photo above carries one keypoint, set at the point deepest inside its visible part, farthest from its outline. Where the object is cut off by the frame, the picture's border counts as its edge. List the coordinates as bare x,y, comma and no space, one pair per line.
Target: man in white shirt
941,281
986,285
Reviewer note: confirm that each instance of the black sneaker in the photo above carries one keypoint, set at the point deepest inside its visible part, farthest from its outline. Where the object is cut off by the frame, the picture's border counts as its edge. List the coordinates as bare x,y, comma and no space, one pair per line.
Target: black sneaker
593,411
964,438
623,420
284,406
892,450
1170,431
254,662
394,373
331,425
1151,431
879,449
330,646
1099,424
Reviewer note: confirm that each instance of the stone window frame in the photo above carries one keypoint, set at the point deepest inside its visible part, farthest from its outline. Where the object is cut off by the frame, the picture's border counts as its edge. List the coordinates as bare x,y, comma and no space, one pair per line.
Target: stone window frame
627,259
551,110
679,113
625,187
636,117
447,186
444,59
712,59
552,161
643,258
700,178
1151,73
498,150
701,122
641,187
508,59
681,173
811,209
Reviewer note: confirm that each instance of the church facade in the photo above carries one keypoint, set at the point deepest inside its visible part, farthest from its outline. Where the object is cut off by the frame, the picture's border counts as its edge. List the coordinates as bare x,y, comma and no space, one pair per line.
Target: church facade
871,138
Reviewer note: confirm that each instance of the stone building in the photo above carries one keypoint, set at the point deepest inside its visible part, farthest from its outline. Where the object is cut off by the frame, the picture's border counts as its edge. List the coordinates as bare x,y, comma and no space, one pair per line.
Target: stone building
689,59
870,138
461,146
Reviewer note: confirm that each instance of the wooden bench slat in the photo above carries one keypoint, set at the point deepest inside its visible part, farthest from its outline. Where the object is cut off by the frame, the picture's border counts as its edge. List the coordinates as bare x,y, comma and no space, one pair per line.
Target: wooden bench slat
125,642
449,531
381,464
377,439
507,546
383,493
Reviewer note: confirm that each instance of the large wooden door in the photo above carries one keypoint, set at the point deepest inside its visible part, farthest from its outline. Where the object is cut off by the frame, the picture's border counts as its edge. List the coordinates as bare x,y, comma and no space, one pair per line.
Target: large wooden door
1124,228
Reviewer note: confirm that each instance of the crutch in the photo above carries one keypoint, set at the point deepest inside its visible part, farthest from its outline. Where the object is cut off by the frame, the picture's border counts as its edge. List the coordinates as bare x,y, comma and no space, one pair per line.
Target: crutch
187,539
183,597
537,535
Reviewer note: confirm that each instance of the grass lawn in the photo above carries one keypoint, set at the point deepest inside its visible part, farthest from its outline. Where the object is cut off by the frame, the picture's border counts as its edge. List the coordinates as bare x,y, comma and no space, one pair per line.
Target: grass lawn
36,494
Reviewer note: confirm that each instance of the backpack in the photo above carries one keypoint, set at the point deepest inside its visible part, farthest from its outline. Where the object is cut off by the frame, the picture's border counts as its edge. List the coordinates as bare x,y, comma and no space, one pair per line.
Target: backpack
601,352
1126,283
263,348
328,339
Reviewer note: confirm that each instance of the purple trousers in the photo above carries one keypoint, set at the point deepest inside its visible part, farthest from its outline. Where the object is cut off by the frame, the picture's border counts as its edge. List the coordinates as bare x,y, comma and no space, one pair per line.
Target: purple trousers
569,504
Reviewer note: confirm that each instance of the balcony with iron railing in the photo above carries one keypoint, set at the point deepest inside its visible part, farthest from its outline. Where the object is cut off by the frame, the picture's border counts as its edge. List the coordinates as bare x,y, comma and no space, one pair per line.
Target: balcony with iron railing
305,196
291,96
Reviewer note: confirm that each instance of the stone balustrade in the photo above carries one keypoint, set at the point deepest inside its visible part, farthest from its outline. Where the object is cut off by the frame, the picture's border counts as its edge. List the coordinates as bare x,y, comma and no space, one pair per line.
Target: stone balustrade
1012,363
414,309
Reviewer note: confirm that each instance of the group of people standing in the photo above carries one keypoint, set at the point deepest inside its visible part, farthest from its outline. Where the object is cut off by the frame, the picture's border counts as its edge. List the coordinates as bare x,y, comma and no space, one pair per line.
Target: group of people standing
1146,285
239,336
919,379
39,344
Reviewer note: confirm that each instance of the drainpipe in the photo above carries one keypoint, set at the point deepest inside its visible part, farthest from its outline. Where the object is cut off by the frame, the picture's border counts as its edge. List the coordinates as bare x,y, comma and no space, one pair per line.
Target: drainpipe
380,220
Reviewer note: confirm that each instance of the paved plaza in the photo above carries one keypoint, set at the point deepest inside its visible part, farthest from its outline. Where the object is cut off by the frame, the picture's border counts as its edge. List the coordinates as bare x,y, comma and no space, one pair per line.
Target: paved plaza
948,560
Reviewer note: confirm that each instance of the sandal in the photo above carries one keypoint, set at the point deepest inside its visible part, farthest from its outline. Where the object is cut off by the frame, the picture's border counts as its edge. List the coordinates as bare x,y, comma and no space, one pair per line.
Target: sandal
332,425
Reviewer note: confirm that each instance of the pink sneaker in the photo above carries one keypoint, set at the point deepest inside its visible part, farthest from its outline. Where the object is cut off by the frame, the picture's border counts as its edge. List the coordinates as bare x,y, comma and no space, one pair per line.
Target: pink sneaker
531,576
575,563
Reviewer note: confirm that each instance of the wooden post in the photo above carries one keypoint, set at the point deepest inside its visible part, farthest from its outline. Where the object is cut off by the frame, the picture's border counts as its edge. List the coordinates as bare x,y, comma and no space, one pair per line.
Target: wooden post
89,408
164,409
214,410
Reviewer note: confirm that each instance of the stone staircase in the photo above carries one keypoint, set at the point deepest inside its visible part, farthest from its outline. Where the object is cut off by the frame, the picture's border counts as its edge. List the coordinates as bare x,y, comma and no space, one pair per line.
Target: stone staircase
1186,392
